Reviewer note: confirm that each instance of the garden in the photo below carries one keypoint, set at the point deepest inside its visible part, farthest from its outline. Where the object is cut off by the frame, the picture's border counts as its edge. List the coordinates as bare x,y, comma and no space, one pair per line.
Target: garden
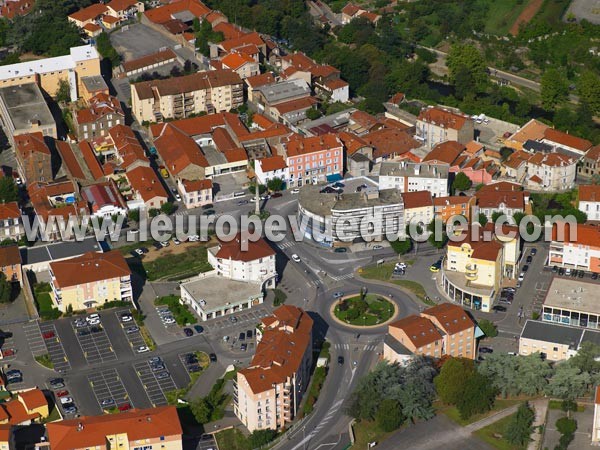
45,306
364,310
181,313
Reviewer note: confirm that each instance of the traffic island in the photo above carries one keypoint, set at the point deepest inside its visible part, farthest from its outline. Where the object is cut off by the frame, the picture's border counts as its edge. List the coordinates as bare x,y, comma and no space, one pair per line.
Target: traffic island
361,310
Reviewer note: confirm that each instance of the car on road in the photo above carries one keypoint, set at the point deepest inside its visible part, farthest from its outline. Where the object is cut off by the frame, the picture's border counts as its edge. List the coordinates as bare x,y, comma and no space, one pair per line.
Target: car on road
177,197
48,334
529,259
107,402
581,274
162,375
436,266
295,191
13,375
212,357
198,328
561,271
188,332
486,350
242,336
276,194
133,329
499,308
521,276
377,247
62,393
242,202
518,284
554,269
66,400
142,349
568,272
295,258
338,294
57,383
594,276
340,250
340,360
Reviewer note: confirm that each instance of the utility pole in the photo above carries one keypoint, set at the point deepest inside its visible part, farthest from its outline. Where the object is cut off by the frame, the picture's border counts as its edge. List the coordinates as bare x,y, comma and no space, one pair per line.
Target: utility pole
257,196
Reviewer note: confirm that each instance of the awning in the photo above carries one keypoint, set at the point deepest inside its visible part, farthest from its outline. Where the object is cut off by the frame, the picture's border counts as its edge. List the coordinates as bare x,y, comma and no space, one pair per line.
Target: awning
334,177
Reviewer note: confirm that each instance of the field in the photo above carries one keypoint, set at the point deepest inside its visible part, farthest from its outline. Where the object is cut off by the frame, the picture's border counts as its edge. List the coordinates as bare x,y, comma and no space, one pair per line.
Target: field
492,434
502,14
526,15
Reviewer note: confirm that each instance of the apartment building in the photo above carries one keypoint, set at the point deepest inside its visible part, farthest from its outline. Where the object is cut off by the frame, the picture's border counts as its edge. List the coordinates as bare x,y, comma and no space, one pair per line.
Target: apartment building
492,199
82,61
590,163
313,159
551,171
144,428
269,168
195,193
408,176
103,112
443,330
11,223
176,98
455,205
580,251
436,125
90,280
268,392
34,161
10,263
244,260
589,201
418,208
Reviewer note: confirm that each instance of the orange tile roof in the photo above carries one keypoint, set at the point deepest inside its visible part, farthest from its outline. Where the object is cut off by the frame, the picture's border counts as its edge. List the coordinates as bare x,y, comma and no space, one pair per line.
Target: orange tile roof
16,8
536,179
588,235
589,193
110,20
178,150
419,330
165,13
351,142
90,13
233,249
122,5
260,80
451,200
246,39
148,60
417,199
272,163
551,160
370,16
306,145
281,350
17,413
532,130
336,84
364,119
566,139
261,120
350,9
29,143
33,399
473,147
5,432
295,105
482,249
92,27
10,255
144,181
9,210
388,141
188,83
70,160
452,318
440,116
235,60
299,60
229,30
250,50
89,268
91,431
197,185
446,152
90,159
236,155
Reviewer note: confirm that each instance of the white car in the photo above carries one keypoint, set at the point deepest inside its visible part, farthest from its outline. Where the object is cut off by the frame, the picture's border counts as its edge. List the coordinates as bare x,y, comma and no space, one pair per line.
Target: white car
65,400
295,258
521,276
142,349
295,191
178,197
126,318
169,321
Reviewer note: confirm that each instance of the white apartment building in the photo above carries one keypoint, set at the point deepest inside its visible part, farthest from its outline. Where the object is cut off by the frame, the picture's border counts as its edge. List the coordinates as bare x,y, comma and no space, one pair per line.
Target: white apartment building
552,171
271,167
589,201
581,253
407,176
436,125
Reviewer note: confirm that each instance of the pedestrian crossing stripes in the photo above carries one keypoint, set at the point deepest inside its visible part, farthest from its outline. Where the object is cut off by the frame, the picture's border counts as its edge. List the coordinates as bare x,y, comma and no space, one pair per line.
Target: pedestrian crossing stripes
182,213
367,348
343,277
284,245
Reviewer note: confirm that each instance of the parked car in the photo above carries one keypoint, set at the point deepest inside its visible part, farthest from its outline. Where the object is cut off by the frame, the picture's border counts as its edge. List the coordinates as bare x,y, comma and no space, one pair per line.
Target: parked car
79,323
486,350
124,407
568,272
107,402
295,191
243,347
276,194
62,393
521,276
194,368
92,317
162,375
436,266
154,359
57,383
48,334
156,367
377,247
561,271
126,317
70,409
581,274
66,400
525,268
594,276
157,245
340,249
499,308
198,329
529,259
533,251
554,269
248,334
295,258
242,336
188,332
131,330
142,349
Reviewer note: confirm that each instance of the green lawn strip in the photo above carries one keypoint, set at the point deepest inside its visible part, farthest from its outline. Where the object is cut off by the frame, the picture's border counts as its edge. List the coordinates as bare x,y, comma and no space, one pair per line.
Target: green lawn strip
499,405
315,388
45,361
232,439
367,431
383,272
557,404
192,262
181,313
53,417
45,306
493,432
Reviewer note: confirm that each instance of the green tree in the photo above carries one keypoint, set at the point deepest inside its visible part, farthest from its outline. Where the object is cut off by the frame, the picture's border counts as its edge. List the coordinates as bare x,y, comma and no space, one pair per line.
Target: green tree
275,184
466,64
313,113
202,410
461,182
496,215
517,217
134,215
482,219
106,49
168,208
568,406
153,212
389,415
565,425
63,93
258,438
9,191
5,289
568,382
519,427
261,188
477,397
588,88
554,88
402,246
488,328
450,383
587,358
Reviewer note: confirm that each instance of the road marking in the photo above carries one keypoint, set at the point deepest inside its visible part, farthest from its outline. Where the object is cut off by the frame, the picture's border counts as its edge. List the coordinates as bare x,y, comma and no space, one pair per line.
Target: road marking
285,245
343,277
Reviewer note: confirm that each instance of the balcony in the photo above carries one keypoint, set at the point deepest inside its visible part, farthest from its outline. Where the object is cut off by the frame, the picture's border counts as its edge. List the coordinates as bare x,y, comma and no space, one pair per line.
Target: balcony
471,272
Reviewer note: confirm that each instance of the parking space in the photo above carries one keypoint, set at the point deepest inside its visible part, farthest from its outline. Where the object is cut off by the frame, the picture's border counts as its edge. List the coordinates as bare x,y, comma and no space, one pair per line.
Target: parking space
156,381
55,347
109,390
249,317
94,343
167,319
8,346
36,343
207,442
132,333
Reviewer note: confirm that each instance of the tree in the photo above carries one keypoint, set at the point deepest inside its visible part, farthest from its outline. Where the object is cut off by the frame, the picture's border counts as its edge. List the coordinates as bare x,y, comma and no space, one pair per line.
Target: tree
252,188
488,328
461,182
9,192
464,63
587,358
519,427
554,88
5,289
401,246
568,382
588,88
153,212
450,383
201,409
477,397
63,93
389,415
106,49
568,406
482,219
496,215
313,113
168,208
275,184
518,216
134,215
258,438
565,425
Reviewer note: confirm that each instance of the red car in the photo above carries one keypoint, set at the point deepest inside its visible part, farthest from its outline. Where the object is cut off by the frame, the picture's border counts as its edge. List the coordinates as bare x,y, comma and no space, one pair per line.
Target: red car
48,335
62,393
8,352
125,407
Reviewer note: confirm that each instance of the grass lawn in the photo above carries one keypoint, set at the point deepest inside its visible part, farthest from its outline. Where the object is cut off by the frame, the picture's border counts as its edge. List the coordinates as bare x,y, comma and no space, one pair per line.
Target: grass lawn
491,434
45,361
556,404
53,417
383,272
179,266
379,310
41,292
415,288
499,405
365,432
232,439
501,15
203,359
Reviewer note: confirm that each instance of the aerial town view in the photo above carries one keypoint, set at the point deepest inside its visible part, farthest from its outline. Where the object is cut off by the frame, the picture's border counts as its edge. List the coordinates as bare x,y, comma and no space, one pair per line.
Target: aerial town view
299,224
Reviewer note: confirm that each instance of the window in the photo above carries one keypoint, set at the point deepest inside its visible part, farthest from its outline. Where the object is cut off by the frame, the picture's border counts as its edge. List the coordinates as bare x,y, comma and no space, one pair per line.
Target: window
555,349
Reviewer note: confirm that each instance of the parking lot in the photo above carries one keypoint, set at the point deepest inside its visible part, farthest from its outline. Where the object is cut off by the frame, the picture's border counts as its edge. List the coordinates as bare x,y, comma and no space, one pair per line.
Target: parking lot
166,317
36,343
207,443
154,385
55,347
94,343
134,338
9,349
249,317
109,389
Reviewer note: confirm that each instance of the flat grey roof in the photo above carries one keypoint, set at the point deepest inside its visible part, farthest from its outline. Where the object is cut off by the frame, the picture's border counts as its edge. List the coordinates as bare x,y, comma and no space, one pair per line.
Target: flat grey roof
94,83
551,332
219,292
335,120
409,169
213,156
58,250
573,294
395,345
25,104
277,92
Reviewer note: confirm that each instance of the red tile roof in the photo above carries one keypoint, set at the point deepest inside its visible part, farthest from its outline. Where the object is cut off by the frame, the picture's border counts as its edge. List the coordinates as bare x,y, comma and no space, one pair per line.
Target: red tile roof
229,30
587,235
439,116
9,210
389,141
29,143
165,13
419,330
250,38
272,163
178,150
144,181
589,193
188,83
148,60
90,159
446,152
92,431
90,13
260,80
295,105
593,153
33,399
306,145
11,9
122,5
417,199
489,198
452,318
568,140
10,255
235,60
89,268
197,185
233,249
482,249
17,413
351,142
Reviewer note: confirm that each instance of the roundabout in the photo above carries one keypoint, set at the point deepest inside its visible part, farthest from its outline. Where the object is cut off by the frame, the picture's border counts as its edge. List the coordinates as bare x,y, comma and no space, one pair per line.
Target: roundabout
364,311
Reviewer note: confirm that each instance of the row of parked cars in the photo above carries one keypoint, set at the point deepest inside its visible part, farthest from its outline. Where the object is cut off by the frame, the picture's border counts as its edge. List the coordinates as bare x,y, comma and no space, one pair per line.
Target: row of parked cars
64,399
572,272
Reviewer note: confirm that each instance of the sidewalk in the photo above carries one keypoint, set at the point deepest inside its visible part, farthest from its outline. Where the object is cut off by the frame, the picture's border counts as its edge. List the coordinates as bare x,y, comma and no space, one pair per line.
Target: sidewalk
540,406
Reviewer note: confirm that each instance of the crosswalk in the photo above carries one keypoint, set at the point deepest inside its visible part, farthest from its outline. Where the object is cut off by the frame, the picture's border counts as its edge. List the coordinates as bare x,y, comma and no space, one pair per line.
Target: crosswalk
182,213
284,245
346,276
370,347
